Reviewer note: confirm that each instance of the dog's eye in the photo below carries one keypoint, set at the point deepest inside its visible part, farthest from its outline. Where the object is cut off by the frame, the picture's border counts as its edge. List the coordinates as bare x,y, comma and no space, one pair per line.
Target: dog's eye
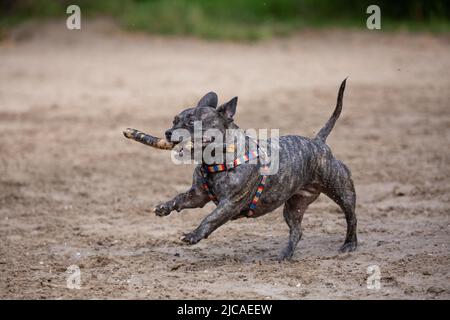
190,122
175,120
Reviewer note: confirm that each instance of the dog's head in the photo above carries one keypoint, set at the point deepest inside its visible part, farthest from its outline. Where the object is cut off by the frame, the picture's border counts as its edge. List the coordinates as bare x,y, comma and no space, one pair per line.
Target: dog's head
207,113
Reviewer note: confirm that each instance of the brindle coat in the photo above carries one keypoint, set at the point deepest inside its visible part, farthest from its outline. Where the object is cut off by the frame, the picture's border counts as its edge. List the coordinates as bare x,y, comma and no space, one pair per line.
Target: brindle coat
307,168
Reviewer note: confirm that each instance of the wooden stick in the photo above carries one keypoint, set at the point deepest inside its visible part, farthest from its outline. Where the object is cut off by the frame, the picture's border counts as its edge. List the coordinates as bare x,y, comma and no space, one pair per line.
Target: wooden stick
160,143
148,140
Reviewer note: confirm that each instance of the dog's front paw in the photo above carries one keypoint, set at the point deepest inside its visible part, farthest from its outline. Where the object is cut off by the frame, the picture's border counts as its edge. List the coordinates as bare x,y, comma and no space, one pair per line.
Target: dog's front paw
191,238
162,210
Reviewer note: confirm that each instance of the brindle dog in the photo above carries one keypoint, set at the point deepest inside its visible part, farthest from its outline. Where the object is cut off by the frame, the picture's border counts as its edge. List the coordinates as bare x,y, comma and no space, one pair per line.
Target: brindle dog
306,168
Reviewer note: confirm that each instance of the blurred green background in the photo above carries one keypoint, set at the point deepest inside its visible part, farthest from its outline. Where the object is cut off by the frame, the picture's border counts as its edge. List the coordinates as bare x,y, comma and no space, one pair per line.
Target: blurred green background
238,19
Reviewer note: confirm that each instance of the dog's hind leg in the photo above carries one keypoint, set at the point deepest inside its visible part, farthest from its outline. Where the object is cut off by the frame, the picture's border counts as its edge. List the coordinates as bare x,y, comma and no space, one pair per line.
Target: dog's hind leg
293,212
339,187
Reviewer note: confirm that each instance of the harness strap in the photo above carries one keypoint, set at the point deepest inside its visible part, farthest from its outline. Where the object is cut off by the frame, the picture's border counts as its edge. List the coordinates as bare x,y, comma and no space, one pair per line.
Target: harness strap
258,193
222,167
211,196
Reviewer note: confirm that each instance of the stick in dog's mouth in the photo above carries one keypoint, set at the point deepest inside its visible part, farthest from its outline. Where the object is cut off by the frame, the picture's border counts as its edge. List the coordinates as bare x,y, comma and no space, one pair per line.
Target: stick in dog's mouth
160,143
148,140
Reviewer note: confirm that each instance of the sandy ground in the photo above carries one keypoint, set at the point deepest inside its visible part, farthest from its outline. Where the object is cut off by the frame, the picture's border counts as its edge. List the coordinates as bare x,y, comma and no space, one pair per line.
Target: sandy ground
74,191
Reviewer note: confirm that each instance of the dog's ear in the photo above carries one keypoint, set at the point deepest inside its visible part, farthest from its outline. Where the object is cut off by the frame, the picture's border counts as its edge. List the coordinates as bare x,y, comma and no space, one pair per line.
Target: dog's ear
209,100
228,109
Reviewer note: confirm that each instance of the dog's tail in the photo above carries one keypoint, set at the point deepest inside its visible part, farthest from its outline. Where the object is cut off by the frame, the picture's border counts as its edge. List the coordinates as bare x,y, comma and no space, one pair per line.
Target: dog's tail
326,129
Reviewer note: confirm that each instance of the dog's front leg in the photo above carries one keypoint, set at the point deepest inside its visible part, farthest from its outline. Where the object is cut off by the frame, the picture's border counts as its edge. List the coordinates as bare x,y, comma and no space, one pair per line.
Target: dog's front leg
195,197
224,211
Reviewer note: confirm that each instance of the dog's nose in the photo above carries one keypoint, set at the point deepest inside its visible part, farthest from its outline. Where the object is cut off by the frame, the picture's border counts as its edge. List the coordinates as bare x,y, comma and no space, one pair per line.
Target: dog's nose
168,135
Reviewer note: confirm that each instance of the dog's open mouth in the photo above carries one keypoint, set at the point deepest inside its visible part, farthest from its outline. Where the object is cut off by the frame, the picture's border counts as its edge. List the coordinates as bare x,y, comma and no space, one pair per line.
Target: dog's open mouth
181,146
189,143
